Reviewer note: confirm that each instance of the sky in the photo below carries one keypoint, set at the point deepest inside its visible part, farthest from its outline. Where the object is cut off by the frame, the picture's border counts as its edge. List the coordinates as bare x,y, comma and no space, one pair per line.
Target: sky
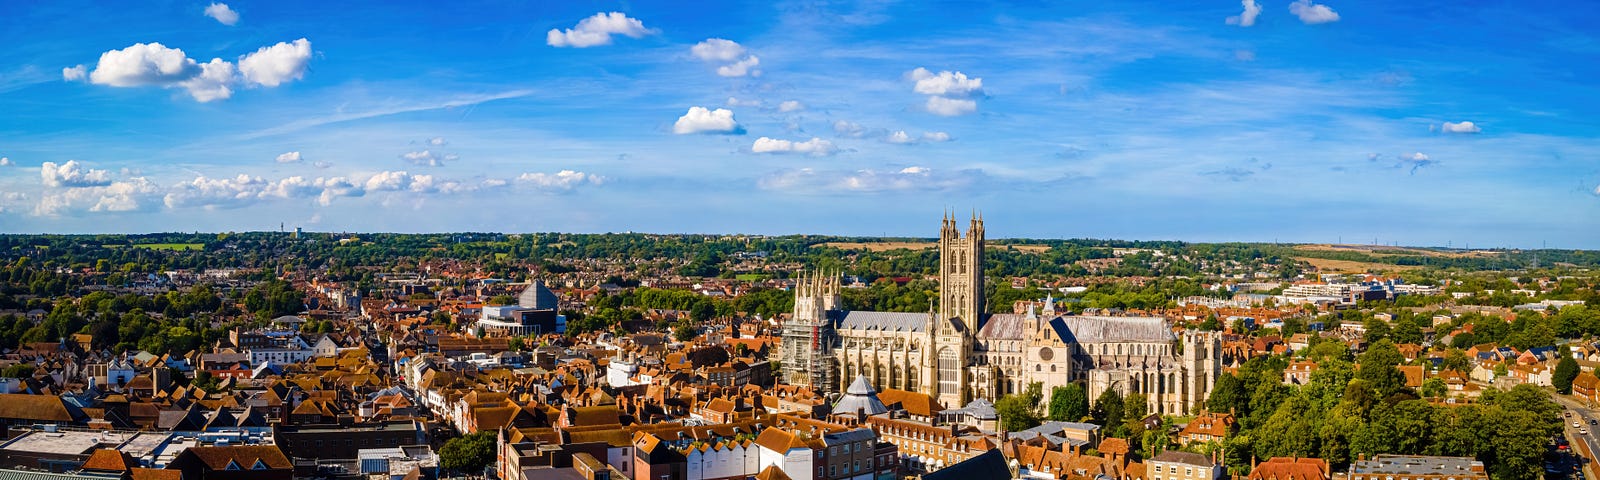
1467,124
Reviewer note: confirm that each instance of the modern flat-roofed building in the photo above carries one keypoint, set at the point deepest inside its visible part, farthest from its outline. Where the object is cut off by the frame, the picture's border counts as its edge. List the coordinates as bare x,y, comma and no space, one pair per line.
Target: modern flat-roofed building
1417,467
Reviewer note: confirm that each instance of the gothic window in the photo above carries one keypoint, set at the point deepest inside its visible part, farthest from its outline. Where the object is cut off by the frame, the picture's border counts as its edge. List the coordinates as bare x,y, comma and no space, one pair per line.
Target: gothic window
949,371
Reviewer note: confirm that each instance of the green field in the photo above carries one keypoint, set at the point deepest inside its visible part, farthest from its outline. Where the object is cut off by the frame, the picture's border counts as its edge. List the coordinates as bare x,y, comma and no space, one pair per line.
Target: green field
179,247
752,277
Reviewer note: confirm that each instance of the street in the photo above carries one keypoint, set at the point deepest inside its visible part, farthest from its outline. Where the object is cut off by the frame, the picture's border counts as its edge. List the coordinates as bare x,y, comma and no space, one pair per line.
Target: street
1584,437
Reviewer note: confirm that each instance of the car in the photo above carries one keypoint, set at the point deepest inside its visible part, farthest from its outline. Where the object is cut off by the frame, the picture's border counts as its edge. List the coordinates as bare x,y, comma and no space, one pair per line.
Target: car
1593,422
1583,431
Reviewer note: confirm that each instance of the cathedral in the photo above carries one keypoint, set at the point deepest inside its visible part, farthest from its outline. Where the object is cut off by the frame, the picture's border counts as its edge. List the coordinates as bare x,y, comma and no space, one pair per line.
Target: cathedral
958,352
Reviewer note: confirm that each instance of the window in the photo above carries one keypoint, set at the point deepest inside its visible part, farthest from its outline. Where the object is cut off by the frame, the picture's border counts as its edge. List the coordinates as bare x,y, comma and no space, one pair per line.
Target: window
857,466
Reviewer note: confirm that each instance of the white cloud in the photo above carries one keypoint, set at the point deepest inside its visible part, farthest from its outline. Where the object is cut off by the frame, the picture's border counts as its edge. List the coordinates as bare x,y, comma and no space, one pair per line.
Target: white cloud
1597,190
74,73
277,64
119,196
213,81
741,68
563,180
703,120
935,137
1416,161
1248,16
239,191
728,53
738,102
143,64
222,14
949,93
597,30
73,175
6,162
154,64
813,181
429,158
289,157
437,141
791,106
951,107
717,50
1462,127
1313,13
814,146
945,83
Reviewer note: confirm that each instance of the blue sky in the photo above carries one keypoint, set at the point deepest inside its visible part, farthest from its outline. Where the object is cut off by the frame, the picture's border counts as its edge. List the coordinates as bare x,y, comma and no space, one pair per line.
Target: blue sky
1419,123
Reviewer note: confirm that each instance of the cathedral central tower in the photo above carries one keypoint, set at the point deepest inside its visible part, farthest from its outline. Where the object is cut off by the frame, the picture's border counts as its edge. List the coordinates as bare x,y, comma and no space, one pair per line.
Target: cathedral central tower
961,272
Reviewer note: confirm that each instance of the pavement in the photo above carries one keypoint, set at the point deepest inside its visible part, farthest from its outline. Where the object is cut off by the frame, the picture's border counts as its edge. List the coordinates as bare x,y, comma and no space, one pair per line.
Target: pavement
1585,438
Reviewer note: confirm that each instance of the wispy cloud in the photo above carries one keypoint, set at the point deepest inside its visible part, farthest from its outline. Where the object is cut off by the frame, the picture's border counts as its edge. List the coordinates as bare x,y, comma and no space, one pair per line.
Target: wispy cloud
340,117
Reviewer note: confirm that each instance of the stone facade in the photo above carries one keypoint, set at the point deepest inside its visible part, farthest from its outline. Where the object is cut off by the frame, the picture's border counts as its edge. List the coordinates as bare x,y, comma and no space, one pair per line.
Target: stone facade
956,352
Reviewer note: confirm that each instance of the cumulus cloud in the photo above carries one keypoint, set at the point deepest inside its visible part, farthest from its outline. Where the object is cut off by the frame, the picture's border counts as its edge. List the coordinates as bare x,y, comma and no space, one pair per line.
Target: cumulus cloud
597,30
1313,13
950,107
814,146
1461,127
734,59
6,162
73,174
277,64
143,64
1597,190
222,14
119,196
74,73
945,83
563,180
791,106
289,157
437,141
428,158
154,64
814,181
703,120
717,50
741,68
949,93
1248,16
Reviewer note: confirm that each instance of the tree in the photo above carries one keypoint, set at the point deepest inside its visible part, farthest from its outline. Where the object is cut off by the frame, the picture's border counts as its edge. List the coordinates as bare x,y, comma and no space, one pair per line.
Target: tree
502,300
1016,413
1107,412
1069,403
1376,330
1456,359
1228,396
684,332
468,454
1407,331
1566,371
1378,368
1211,323
1433,387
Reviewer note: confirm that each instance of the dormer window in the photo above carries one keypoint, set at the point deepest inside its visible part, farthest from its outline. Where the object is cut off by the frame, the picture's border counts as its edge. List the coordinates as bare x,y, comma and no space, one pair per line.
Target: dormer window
232,465
258,465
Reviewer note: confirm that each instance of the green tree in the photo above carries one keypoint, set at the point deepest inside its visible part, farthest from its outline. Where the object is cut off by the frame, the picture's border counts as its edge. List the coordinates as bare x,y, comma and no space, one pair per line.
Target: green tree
1379,368
1107,412
468,454
684,332
1376,330
1069,403
1566,371
1433,387
502,300
1019,411
1456,359
1228,396
1407,331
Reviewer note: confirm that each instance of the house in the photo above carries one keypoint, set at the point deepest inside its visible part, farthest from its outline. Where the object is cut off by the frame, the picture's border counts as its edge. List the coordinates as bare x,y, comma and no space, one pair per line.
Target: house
1417,467
1285,468
1299,373
1176,465
1206,427
238,462
1584,386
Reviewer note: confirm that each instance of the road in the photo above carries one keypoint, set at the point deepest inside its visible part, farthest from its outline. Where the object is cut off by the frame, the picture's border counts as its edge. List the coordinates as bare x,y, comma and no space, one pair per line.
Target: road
1585,445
